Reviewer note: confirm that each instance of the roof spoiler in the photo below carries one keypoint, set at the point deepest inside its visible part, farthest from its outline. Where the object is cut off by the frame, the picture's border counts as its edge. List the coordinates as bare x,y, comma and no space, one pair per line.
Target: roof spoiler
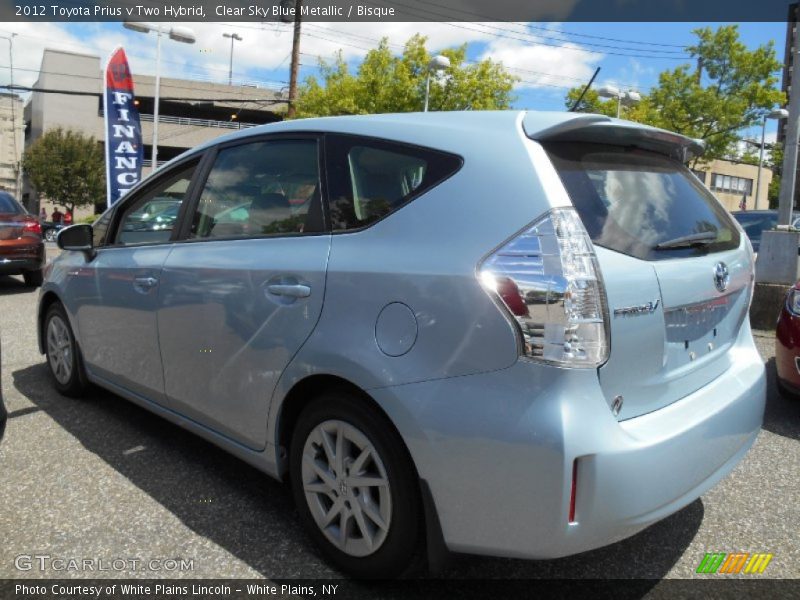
605,130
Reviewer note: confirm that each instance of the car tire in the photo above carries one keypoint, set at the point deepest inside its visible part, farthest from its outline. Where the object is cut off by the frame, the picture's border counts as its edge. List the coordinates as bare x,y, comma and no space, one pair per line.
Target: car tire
33,278
50,235
786,391
63,354
383,524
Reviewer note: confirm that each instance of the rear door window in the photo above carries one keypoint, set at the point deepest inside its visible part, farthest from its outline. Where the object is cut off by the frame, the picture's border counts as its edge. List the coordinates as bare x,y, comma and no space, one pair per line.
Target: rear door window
259,189
642,203
369,179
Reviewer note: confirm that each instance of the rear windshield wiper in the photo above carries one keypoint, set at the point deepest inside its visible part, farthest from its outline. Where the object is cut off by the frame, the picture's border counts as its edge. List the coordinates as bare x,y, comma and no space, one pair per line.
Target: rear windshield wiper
704,238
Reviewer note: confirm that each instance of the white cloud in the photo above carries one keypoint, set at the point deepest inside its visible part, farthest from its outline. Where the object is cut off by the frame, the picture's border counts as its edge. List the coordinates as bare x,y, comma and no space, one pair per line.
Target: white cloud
543,66
30,41
267,47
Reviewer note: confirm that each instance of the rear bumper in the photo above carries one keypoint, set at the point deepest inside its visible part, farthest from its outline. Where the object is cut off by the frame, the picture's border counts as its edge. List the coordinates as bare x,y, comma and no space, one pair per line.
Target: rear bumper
19,259
12,266
497,451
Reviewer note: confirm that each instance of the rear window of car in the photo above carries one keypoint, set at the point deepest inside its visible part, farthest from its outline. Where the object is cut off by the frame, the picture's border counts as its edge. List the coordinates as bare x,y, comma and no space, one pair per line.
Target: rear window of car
9,205
370,179
641,203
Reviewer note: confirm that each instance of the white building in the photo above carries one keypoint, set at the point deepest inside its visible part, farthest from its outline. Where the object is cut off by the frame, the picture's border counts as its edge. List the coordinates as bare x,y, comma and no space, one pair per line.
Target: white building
11,141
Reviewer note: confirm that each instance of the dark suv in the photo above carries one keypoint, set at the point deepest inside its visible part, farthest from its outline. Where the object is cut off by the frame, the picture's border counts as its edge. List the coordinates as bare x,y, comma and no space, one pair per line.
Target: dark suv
21,245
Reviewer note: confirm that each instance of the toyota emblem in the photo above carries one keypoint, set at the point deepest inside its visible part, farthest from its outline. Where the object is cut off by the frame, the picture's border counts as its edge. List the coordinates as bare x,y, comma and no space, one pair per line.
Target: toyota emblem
721,276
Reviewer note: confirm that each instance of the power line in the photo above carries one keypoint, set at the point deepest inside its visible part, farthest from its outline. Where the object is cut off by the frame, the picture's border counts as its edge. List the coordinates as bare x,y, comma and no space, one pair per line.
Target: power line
510,68
534,40
98,78
25,88
560,31
528,38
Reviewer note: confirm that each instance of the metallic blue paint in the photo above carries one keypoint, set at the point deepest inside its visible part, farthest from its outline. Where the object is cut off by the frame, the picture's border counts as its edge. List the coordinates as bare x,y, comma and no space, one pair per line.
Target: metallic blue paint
209,346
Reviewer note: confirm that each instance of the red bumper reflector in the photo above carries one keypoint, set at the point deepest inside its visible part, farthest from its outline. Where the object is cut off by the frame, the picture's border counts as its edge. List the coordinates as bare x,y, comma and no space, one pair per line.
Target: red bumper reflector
572,492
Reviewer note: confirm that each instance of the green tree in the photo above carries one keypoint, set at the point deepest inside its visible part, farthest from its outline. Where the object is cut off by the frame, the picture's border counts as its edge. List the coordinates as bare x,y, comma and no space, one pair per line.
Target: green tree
387,83
736,88
67,168
749,157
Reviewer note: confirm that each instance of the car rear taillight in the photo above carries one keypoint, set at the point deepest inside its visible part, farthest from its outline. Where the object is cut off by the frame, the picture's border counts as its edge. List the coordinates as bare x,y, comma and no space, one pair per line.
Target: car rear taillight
548,278
793,302
32,226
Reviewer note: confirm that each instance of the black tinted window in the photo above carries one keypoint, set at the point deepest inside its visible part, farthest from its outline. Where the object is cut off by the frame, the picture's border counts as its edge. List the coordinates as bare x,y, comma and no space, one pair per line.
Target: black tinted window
638,202
150,216
9,205
261,188
368,179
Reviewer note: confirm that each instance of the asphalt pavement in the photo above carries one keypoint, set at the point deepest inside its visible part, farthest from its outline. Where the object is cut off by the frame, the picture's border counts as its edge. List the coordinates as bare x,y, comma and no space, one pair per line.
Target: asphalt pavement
102,479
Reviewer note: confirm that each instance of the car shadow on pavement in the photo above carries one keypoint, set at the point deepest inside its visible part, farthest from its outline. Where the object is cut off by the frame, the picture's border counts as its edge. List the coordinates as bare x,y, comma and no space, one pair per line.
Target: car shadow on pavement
782,414
252,516
13,285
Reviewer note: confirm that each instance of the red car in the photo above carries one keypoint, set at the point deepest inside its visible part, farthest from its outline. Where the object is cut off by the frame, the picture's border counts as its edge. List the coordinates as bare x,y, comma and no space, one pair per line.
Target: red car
21,245
787,344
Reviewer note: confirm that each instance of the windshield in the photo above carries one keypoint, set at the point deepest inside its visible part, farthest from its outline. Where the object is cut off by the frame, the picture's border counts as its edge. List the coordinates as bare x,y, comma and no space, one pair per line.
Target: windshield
8,204
640,203
756,223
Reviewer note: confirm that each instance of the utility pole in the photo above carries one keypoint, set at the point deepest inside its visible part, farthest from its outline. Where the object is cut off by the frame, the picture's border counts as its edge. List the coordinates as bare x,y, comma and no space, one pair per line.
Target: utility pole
789,178
777,264
295,62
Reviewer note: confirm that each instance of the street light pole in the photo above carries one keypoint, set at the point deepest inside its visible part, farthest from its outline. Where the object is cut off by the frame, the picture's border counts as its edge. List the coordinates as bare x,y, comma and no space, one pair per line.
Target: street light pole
234,37
609,91
775,114
789,174
427,90
178,34
156,101
438,63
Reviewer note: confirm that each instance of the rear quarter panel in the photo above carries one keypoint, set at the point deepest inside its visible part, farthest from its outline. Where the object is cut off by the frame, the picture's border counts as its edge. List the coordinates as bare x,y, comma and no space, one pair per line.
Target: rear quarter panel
425,256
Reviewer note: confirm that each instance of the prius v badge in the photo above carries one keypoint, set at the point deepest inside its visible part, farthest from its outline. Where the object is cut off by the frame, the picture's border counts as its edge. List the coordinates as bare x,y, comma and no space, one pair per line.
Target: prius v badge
639,309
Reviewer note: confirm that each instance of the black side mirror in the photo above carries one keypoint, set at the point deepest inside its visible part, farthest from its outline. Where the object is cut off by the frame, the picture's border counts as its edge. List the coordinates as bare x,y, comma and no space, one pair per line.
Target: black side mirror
77,238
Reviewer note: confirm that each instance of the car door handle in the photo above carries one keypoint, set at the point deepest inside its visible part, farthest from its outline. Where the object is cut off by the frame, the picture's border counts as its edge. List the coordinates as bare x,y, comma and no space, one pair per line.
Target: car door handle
145,282
293,291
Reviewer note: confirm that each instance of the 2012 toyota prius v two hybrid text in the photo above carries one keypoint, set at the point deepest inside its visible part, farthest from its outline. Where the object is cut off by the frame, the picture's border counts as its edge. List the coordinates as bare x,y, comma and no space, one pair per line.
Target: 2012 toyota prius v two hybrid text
507,333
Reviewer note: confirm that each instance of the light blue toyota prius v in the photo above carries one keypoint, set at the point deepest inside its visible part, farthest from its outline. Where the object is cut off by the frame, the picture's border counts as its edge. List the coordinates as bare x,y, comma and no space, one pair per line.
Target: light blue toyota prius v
505,333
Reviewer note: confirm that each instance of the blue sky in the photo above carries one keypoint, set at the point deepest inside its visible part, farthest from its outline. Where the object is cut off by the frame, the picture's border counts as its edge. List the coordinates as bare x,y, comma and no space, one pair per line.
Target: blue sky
548,58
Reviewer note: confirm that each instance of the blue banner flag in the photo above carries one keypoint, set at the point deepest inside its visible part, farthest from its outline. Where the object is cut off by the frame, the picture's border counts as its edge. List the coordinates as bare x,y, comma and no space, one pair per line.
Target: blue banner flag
124,150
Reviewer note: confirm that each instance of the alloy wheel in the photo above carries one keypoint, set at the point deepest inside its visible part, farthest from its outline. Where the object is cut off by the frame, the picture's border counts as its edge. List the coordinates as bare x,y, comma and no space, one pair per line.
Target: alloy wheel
346,487
59,349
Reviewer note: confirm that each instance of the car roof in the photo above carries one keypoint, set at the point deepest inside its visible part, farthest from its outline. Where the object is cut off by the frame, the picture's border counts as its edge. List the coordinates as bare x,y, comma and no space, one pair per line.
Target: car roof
459,131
